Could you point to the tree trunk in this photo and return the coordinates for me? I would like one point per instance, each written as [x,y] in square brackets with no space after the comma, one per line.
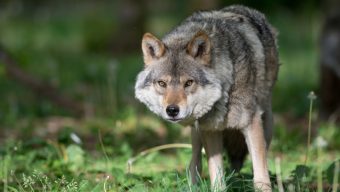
[203,5]
[131,16]
[330,63]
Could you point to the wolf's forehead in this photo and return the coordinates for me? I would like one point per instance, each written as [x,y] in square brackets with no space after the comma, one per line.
[176,67]
[175,72]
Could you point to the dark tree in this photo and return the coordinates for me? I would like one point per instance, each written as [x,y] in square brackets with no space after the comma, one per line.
[203,5]
[131,16]
[330,63]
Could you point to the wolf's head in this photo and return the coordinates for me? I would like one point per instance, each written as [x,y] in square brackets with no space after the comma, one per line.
[178,81]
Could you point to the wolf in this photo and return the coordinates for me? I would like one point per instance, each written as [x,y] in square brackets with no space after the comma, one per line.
[215,72]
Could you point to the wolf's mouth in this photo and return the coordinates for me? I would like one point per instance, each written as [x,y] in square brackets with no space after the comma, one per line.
[174,119]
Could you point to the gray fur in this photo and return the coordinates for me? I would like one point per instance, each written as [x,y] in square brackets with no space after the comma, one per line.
[244,62]
[235,85]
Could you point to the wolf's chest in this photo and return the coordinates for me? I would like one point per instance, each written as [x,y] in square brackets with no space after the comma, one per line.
[237,117]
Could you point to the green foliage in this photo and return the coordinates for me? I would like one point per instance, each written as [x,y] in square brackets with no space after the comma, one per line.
[63,165]
[76,159]
[72,50]
[331,173]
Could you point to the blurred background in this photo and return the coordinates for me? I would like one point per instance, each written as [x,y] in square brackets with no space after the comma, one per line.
[70,66]
[80,58]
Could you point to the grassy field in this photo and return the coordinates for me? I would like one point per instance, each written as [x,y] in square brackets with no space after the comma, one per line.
[42,148]
[93,155]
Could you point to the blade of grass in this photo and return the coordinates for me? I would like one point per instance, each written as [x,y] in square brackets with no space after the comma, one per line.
[103,149]
[5,171]
[153,149]
[278,174]
[106,179]
[336,177]
[319,169]
[311,97]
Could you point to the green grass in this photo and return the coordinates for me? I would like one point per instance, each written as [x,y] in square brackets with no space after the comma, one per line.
[69,50]
[59,163]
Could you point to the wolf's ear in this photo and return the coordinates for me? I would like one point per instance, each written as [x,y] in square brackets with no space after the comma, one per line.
[152,47]
[199,47]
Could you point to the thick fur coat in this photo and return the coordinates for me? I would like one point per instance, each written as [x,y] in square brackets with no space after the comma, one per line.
[216,70]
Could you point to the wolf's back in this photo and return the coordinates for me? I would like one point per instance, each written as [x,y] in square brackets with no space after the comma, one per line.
[267,35]
[228,17]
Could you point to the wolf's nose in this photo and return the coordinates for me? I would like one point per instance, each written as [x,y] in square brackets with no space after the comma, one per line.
[172,110]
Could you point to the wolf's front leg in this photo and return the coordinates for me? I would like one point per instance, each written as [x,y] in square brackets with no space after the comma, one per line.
[196,157]
[213,145]
[254,135]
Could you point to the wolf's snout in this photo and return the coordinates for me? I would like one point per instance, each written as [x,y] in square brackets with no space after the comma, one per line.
[172,110]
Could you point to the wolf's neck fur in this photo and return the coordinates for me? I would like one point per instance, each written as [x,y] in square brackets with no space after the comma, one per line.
[215,118]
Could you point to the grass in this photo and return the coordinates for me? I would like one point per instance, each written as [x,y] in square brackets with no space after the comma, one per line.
[100,163]
[42,148]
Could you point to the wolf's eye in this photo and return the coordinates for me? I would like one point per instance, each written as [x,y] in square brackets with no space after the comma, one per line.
[161,83]
[188,83]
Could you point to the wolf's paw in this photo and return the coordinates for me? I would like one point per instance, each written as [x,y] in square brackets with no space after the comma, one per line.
[262,186]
